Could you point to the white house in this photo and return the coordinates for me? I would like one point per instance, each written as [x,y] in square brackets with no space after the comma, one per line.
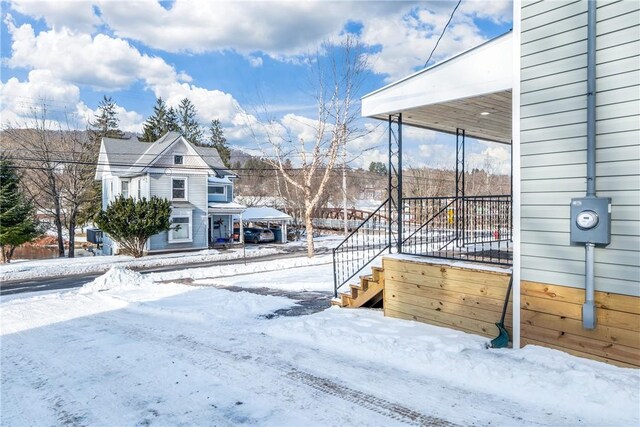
[193,178]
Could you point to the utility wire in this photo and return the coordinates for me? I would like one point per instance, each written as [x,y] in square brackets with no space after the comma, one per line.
[442,34]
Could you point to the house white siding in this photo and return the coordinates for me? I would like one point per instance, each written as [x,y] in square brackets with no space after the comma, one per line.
[553,139]
[160,185]
[189,157]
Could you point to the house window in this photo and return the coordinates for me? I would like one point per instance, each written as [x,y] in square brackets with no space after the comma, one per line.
[216,190]
[183,232]
[139,189]
[125,189]
[179,189]
[177,160]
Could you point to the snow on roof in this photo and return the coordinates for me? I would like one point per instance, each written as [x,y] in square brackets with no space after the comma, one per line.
[226,207]
[216,180]
[264,213]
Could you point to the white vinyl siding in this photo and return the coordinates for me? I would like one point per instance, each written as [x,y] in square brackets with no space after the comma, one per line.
[553,139]
[161,186]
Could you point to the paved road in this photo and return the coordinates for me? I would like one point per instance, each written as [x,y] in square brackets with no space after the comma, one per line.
[10,287]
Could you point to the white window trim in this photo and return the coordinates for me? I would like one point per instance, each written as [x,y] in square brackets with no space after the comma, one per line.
[182,213]
[186,188]
[181,159]
[128,187]
[224,190]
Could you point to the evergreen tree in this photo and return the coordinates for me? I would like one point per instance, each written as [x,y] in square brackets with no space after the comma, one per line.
[156,124]
[219,142]
[18,223]
[188,122]
[378,168]
[171,121]
[132,222]
[105,123]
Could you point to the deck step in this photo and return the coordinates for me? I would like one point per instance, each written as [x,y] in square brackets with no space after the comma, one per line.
[376,273]
[367,293]
[355,290]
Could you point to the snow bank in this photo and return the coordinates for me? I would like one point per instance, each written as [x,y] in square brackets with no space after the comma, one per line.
[549,380]
[115,278]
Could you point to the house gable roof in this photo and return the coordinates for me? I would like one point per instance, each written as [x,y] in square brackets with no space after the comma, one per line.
[126,157]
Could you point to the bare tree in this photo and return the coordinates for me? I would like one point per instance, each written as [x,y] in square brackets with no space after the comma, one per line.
[59,165]
[77,179]
[337,80]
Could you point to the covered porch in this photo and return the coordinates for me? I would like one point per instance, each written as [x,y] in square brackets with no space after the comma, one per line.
[441,244]
[467,96]
[220,224]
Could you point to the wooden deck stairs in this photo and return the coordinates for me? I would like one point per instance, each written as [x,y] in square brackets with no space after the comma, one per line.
[367,294]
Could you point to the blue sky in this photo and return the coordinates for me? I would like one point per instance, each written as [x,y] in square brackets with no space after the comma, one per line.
[229,58]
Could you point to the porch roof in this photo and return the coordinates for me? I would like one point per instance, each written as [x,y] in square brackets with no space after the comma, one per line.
[226,208]
[471,91]
[262,213]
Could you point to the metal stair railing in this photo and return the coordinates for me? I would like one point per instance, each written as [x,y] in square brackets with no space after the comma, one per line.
[360,247]
[481,232]
[431,227]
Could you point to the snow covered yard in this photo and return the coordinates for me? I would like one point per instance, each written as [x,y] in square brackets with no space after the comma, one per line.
[131,350]
[20,269]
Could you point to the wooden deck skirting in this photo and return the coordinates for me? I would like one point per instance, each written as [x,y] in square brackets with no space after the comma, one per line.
[471,300]
[551,316]
[465,299]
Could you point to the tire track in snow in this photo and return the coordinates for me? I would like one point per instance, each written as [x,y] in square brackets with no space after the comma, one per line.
[282,370]
[383,407]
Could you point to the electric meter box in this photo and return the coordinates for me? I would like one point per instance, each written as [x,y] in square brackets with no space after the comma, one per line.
[591,220]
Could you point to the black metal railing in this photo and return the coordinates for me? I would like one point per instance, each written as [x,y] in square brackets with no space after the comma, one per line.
[361,246]
[472,228]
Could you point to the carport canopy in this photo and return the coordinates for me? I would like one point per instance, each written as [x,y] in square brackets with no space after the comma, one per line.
[471,91]
[269,215]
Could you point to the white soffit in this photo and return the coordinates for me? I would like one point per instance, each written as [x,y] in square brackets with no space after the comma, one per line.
[457,93]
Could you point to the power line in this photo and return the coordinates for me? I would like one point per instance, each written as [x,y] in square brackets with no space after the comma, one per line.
[442,33]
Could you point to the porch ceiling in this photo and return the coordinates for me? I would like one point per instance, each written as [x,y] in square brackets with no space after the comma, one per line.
[457,93]
[465,114]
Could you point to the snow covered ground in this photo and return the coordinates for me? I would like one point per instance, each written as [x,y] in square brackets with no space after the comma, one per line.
[136,350]
[28,269]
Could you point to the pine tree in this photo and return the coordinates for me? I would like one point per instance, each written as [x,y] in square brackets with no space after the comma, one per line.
[132,222]
[18,223]
[104,125]
[188,122]
[219,142]
[105,122]
[378,168]
[171,121]
[156,125]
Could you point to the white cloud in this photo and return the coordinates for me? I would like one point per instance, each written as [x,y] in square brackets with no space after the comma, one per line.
[101,62]
[494,158]
[255,61]
[75,15]
[128,121]
[403,32]
[19,99]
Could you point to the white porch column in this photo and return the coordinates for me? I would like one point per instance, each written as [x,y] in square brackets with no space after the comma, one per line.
[241,238]
[284,232]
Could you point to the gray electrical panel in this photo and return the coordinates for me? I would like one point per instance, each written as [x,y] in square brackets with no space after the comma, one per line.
[591,220]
